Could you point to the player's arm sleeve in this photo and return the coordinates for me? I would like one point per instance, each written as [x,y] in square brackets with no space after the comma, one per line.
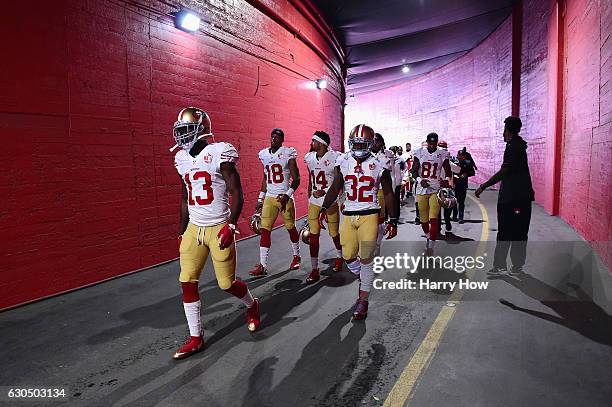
[228,154]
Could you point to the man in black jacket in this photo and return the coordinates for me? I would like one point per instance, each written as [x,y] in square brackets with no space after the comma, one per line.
[461,179]
[514,201]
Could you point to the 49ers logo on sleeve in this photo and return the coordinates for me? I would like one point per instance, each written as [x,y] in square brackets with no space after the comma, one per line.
[207,158]
[372,166]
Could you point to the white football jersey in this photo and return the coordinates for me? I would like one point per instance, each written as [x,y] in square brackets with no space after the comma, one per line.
[207,197]
[320,172]
[388,157]
[276,168]
[430,168]
[361,182]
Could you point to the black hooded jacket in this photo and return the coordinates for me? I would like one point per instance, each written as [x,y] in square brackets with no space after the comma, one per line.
[516,185]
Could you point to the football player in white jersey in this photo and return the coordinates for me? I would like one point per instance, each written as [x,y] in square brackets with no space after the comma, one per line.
[428,163]
[207,222]
[276,196]
[321,164]
[360,174]
[387,157]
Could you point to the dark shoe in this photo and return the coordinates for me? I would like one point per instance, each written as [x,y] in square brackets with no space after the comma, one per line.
[449,227]
[497,271]
[461,221]
[417,221]
[516,271]
[455,219]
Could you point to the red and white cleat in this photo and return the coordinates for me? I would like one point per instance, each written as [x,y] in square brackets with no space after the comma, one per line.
[295,263]
[338,264]
[313,277]
[193,345]
[253,316]
[258,271]
[361,310]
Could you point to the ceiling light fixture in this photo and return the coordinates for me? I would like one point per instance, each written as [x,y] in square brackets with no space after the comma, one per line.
[405,69]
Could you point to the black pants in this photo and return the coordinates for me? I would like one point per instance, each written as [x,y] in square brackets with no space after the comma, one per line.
[512,231]
[397,197]
[460,193]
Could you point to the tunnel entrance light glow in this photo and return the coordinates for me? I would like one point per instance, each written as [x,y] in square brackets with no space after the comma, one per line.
[321,83]
[188,21]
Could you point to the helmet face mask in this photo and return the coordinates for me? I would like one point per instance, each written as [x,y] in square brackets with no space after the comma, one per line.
[360,141]
[360,149]
[191,125]
[186,134]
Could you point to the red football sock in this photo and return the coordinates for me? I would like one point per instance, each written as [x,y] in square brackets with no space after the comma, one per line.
[314,245]
[425,227]
[433,226]
[336,240]
[265,240]
[237,289]
[190,292]
[294,235]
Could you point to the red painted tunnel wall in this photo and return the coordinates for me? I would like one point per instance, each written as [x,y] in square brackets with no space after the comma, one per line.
[88,94]
[586,176]
[467,100]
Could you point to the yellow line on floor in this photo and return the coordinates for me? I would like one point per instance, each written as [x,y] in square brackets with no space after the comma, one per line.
[402,390]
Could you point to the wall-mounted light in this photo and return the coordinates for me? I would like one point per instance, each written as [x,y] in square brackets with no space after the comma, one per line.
[321,83]
[187,21]
[405,69]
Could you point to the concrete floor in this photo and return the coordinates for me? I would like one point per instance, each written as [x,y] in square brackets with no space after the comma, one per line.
[537,339]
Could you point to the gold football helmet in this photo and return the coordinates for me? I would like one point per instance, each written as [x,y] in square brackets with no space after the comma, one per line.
[360,141]
[192,124]
[305,233]
[446,198]
[256,223]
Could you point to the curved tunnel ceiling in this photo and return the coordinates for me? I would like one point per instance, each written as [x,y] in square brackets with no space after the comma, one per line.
[380,36]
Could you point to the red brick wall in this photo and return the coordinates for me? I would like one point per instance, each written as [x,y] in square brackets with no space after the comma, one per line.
[89,91]
[534,93]
[586,181]
[465,102]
